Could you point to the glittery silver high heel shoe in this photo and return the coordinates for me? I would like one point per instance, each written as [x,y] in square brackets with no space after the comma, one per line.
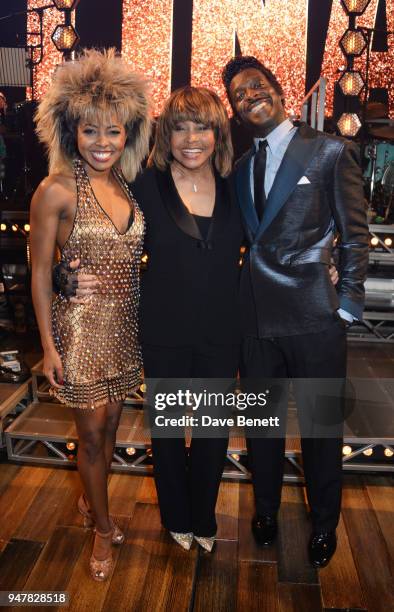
[206,543]
[183,539]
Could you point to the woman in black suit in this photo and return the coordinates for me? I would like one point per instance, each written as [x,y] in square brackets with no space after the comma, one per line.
[189,323]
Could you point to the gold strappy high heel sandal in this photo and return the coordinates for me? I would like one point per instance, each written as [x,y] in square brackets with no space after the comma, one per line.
[117,533]
[88,520]
[101,569]
[83,508]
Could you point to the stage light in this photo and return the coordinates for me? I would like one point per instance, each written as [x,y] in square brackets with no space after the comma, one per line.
[42,72]
[353,42]
[144,258]
[388,452]
[65,37]
[349,124]
[374,241]
[3,227]
[14,227]
[388,242]
[347,450]
[131,450]
[380,73]
[70,445]
[355,7]
[26,227]
[351,83]
[235,456]
[368,452]
[66,5]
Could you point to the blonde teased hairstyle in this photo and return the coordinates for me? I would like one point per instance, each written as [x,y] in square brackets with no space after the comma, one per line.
[96,86]
[201,106]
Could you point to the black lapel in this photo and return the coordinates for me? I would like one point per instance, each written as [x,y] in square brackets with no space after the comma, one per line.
[245,198]
[175,206]
[183,219]
[295,161]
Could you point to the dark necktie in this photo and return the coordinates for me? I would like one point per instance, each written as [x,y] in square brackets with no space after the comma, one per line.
[260,161]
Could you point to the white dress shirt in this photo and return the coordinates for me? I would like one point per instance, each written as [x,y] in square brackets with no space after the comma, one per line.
[278,141]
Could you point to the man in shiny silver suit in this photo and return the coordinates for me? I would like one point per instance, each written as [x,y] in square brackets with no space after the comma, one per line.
[297,188]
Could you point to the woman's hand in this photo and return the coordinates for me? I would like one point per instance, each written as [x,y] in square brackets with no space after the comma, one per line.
[53,369]
[334,276]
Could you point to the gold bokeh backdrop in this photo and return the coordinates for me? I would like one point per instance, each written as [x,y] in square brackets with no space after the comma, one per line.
[146,43]
[274,31]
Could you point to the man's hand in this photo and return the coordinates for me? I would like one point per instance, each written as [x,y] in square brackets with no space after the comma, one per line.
[85,284]
[334,276]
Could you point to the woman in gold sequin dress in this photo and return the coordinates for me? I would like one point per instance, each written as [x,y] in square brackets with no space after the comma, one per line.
[95,123]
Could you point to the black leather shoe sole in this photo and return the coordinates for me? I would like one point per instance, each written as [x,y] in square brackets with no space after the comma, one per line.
[265,530]
[321,553]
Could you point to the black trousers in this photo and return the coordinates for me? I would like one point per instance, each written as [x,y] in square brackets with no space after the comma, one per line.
[317,355]
[188,483]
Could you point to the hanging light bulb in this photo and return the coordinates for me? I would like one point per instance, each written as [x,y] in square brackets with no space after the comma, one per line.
[65,37]
[351,83]
[66,5]
[355,7]
[353,43]
[349,124]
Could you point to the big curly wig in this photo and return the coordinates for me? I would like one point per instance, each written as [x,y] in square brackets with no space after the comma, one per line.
[98,85]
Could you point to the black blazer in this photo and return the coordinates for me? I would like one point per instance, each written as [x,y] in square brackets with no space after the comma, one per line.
[189,292]
[285,284]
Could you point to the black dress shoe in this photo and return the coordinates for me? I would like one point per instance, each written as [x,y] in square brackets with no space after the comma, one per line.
[264,529]
[321,548]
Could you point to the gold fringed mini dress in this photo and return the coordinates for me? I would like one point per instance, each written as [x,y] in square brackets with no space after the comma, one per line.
[98,340]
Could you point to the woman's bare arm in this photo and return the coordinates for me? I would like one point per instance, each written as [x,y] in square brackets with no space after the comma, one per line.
[51,202]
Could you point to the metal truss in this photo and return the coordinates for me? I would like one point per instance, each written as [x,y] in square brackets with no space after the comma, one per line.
[44,433]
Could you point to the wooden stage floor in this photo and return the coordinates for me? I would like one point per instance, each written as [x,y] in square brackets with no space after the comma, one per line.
[45,547]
